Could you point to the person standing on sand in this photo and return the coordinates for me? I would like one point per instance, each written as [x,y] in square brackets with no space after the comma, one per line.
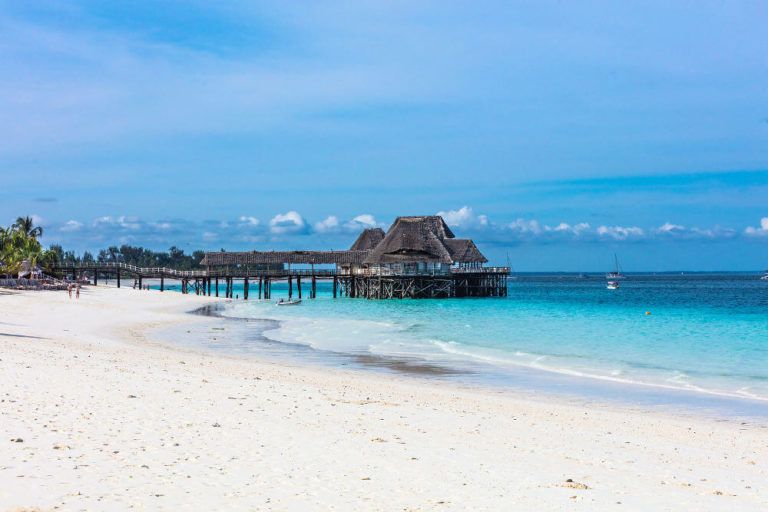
[77,292]
[69,290]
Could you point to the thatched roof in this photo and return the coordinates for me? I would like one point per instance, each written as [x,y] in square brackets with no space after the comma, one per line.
[425,239]
[464,250]
[27,268]
[368,239]
[214,259]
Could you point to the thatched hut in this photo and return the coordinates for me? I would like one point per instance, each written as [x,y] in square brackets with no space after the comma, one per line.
[422,245]
[412,245]
[27,269]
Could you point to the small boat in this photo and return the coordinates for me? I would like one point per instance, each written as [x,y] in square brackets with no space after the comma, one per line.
[293,302]
[612,285]
[765,277]
[615,274]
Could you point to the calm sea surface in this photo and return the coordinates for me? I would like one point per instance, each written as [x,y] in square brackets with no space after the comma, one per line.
[701,334]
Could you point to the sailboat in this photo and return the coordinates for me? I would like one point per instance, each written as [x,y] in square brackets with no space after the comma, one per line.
[511,268]
[616,274]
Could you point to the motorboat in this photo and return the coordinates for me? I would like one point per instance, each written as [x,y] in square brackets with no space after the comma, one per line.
[765,277]
[612,285]
[293,302]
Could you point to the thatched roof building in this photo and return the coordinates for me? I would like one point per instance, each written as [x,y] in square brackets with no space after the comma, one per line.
[464,250]
[368,239]
[423,239]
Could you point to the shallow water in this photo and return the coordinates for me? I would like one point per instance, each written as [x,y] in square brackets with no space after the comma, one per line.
[653,339]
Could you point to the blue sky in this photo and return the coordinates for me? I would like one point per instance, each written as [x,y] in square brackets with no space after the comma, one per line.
[558,132]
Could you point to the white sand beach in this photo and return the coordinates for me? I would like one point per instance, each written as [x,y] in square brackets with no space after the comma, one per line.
[94,416]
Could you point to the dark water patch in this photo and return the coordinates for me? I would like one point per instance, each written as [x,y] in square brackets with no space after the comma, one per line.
[403,365]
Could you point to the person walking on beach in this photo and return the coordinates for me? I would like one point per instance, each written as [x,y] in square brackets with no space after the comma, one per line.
[69,290]
[77,291]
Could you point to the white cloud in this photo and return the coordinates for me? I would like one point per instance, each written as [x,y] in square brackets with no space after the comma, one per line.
[332,224]
[668,227]
[37,220]
[760,231]
[620,232]
[525,226]
[290,222]
[361,222]
[680,232]
[464,217]
[365,220]
[71,225]
[251,221]
[162,226]
[329,225]
[248,233]
[131,223]
[578,229]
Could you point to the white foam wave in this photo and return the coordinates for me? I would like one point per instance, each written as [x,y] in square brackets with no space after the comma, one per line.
[391,340]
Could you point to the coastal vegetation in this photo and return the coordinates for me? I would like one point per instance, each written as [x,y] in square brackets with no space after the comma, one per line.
[19,243]
[139,256]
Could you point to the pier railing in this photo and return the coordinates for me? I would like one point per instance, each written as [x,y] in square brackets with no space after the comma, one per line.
[481,270]
[112,266]
[105,266]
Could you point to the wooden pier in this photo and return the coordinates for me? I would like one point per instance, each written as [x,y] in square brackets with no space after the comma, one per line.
[481,282]
[418,257]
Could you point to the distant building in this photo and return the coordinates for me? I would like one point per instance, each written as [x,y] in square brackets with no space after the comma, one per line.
[422,245]
[419,245]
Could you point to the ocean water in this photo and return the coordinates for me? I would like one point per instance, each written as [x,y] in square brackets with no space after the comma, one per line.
[699,333]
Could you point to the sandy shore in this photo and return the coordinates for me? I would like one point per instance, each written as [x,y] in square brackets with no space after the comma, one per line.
[111,421]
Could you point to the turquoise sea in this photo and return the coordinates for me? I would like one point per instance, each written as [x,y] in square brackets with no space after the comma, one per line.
[657,339]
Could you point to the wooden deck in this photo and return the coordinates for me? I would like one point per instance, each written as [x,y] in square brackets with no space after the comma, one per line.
[363,283]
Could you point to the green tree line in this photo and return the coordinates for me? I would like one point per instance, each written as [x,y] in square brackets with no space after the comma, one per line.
[139,256]
[19,243]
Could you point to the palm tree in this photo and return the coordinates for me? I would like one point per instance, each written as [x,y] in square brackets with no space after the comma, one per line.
[48,259]
[16,246]
[27,226]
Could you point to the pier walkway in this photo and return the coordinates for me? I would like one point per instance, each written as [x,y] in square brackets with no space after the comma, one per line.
[367,283]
